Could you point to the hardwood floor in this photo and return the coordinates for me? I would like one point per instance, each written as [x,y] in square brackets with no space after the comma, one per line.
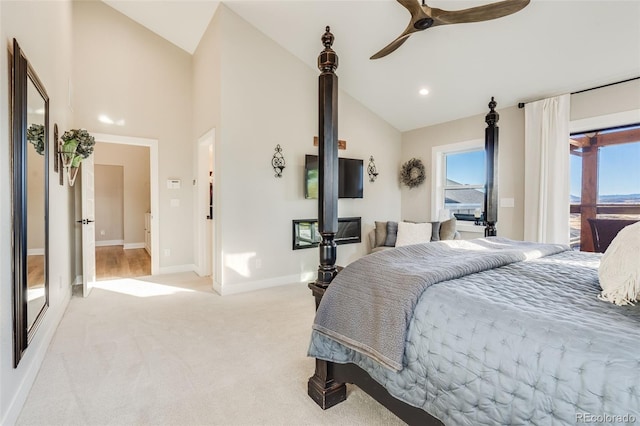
[111,262]
[115,262]
[35,270]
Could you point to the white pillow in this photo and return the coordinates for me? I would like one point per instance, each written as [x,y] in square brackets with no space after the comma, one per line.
[619,270]
[413,233]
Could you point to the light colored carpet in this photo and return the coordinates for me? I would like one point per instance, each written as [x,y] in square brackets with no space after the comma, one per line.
[167,350]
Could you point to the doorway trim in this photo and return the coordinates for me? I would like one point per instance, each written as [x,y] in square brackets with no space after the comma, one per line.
[205,240]
[152,144]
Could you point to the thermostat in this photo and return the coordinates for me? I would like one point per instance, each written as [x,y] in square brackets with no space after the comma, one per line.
[173,183]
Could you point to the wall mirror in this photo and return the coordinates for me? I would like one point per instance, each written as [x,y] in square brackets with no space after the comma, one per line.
[30,162]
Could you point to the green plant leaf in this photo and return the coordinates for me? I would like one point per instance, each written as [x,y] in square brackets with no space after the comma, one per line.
[69,147]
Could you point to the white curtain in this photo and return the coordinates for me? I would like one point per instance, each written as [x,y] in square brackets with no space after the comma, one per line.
[546,182]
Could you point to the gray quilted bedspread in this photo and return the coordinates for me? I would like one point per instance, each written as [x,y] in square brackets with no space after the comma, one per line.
[528,343]
[374,318]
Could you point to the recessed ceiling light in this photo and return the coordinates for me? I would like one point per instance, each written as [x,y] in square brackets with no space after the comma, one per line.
[424,92]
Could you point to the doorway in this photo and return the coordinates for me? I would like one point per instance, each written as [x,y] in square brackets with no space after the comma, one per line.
[122,202]
[148,238]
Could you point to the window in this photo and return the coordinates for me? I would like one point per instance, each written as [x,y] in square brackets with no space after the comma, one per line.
[605,179]
[459,177]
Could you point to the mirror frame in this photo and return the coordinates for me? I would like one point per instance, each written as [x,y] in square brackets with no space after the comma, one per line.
[22,71]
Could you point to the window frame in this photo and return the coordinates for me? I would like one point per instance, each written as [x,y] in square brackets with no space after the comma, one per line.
[438,179]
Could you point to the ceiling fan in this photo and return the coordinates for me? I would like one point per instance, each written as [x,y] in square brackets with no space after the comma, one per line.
[423,17]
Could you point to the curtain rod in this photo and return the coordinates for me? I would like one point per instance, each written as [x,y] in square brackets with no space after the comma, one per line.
[522,104]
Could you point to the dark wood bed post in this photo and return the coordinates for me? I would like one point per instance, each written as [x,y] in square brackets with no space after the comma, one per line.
[491,152]
[328,160]
[322,387]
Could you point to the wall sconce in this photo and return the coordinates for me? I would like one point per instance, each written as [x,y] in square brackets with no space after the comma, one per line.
[277,162]
[371,168]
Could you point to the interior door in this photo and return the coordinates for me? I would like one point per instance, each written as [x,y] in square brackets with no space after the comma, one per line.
[205,221]
[88,226]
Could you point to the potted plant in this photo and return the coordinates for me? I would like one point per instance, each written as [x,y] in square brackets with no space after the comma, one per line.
[76,145]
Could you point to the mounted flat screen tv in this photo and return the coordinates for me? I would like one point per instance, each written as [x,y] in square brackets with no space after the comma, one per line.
[350,180]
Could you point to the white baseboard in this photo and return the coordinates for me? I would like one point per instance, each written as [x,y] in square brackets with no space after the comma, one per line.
[128,246]
[104,243]
[125,246]
[33,359]
[78,280]
[35,252]
[177,268]
[217,287]
[243,287]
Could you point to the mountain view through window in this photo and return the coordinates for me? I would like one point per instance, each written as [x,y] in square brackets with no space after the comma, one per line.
[605,179]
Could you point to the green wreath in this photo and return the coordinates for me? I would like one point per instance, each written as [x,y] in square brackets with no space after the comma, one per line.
[413,173]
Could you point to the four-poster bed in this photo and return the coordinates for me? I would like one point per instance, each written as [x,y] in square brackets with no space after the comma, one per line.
[486,331]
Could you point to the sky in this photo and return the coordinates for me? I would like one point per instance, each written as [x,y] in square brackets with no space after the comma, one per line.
[619,172]
[463,168]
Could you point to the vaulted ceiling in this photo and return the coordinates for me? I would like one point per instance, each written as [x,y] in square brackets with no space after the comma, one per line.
[550,47]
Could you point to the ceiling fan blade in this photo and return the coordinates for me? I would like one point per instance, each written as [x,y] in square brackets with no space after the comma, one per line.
[479,13]
[393,45]
[413,6]
[417,14]
[423,17]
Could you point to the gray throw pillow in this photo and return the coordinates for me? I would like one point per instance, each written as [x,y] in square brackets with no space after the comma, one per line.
[448,229]
[381,233]
[435,231]
[392,234]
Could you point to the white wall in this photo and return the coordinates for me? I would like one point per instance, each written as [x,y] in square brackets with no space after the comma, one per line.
[43,30]
[136,195]
[416,203]
[143,84]
[269,97]
[207,100]
[109,203]
[614,99]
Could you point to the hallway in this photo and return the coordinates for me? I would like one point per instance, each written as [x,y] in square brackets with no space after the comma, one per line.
[115,262]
